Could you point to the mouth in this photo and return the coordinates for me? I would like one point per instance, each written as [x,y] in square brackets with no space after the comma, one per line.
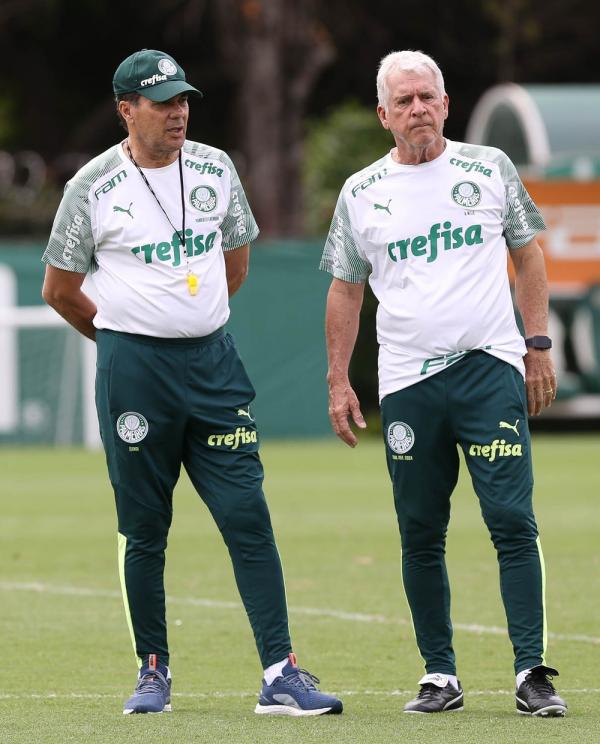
[175,130]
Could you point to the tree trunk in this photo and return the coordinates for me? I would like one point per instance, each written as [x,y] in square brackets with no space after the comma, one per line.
[274,51]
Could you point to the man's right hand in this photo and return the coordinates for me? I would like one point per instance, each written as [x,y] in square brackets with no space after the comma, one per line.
[343,405]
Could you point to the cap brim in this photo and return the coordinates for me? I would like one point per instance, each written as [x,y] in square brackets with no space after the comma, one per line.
[169,89]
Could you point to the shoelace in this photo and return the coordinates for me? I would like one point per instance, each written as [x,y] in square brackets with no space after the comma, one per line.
[302,678]
[540,683]
[428,690]
[152,683]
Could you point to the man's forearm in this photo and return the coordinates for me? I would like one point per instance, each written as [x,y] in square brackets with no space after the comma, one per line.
[341,327]
[531,292]
[78,312]
[236,268]
[62,291]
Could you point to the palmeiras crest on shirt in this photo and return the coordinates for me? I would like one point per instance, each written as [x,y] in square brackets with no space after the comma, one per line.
[400,437]
[132,427]
[203,198]
[466,194]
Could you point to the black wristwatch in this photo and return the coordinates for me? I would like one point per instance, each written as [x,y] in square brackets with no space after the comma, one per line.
[541,343]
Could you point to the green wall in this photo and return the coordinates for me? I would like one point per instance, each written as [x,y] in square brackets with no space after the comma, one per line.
[277,320]
[278,323]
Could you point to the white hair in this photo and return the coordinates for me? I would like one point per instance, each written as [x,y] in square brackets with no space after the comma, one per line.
[405,61]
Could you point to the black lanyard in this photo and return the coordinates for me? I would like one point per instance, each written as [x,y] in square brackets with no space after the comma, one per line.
[142,174]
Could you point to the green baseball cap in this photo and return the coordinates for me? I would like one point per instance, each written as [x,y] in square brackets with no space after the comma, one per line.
[152,74]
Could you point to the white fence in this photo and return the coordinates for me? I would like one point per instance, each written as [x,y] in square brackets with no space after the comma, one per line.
[40,352]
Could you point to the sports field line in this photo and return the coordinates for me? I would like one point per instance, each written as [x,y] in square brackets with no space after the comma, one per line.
[236,694]
[359,617]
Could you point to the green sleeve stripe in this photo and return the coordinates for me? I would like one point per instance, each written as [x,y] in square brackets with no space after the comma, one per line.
[71,245]
[341,255]
[346,276]
[249,237]
[522,219]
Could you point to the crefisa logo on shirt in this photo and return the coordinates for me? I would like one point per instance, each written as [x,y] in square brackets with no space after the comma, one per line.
[400,437]
[466,194]
[238,212]
[132,427]
[72,236]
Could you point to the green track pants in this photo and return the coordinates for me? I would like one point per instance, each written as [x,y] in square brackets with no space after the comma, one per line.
[479,404]
[167,402]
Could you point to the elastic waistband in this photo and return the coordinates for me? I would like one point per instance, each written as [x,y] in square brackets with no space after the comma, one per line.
[156,341]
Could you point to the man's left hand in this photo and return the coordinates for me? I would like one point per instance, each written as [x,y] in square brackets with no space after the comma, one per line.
[540,380]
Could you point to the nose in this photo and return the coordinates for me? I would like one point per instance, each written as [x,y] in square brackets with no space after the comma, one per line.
[178,108]
[418,108]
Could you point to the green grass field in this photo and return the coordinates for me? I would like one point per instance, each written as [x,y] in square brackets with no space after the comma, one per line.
[67,663]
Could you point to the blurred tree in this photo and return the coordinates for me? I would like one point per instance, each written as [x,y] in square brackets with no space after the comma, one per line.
[344,141]
[7,121]
[264,66]
[517,27]
[274,51]
[542,40]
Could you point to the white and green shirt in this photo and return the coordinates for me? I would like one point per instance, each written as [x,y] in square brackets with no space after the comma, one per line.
[109,223]
[432,241]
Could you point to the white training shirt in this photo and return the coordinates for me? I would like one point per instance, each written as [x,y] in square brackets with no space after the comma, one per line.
[110,224]
[432,241]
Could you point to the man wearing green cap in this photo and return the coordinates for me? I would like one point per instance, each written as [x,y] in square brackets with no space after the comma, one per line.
[164,227]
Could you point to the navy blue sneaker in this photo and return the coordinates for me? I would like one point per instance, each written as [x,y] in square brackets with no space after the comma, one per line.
[152,692]
[295,694]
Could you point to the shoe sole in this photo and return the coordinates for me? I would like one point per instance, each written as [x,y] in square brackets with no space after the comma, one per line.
[131,712]
[552,711]
[429,712]
[287,710]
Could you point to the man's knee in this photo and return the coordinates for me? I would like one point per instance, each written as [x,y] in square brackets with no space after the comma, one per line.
[511,525]
[145,529]
[420,531]
[247,523]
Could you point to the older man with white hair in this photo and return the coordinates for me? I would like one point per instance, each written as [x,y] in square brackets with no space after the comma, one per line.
[429,225]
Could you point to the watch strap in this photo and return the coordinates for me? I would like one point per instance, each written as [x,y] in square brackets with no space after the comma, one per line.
[538,342]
